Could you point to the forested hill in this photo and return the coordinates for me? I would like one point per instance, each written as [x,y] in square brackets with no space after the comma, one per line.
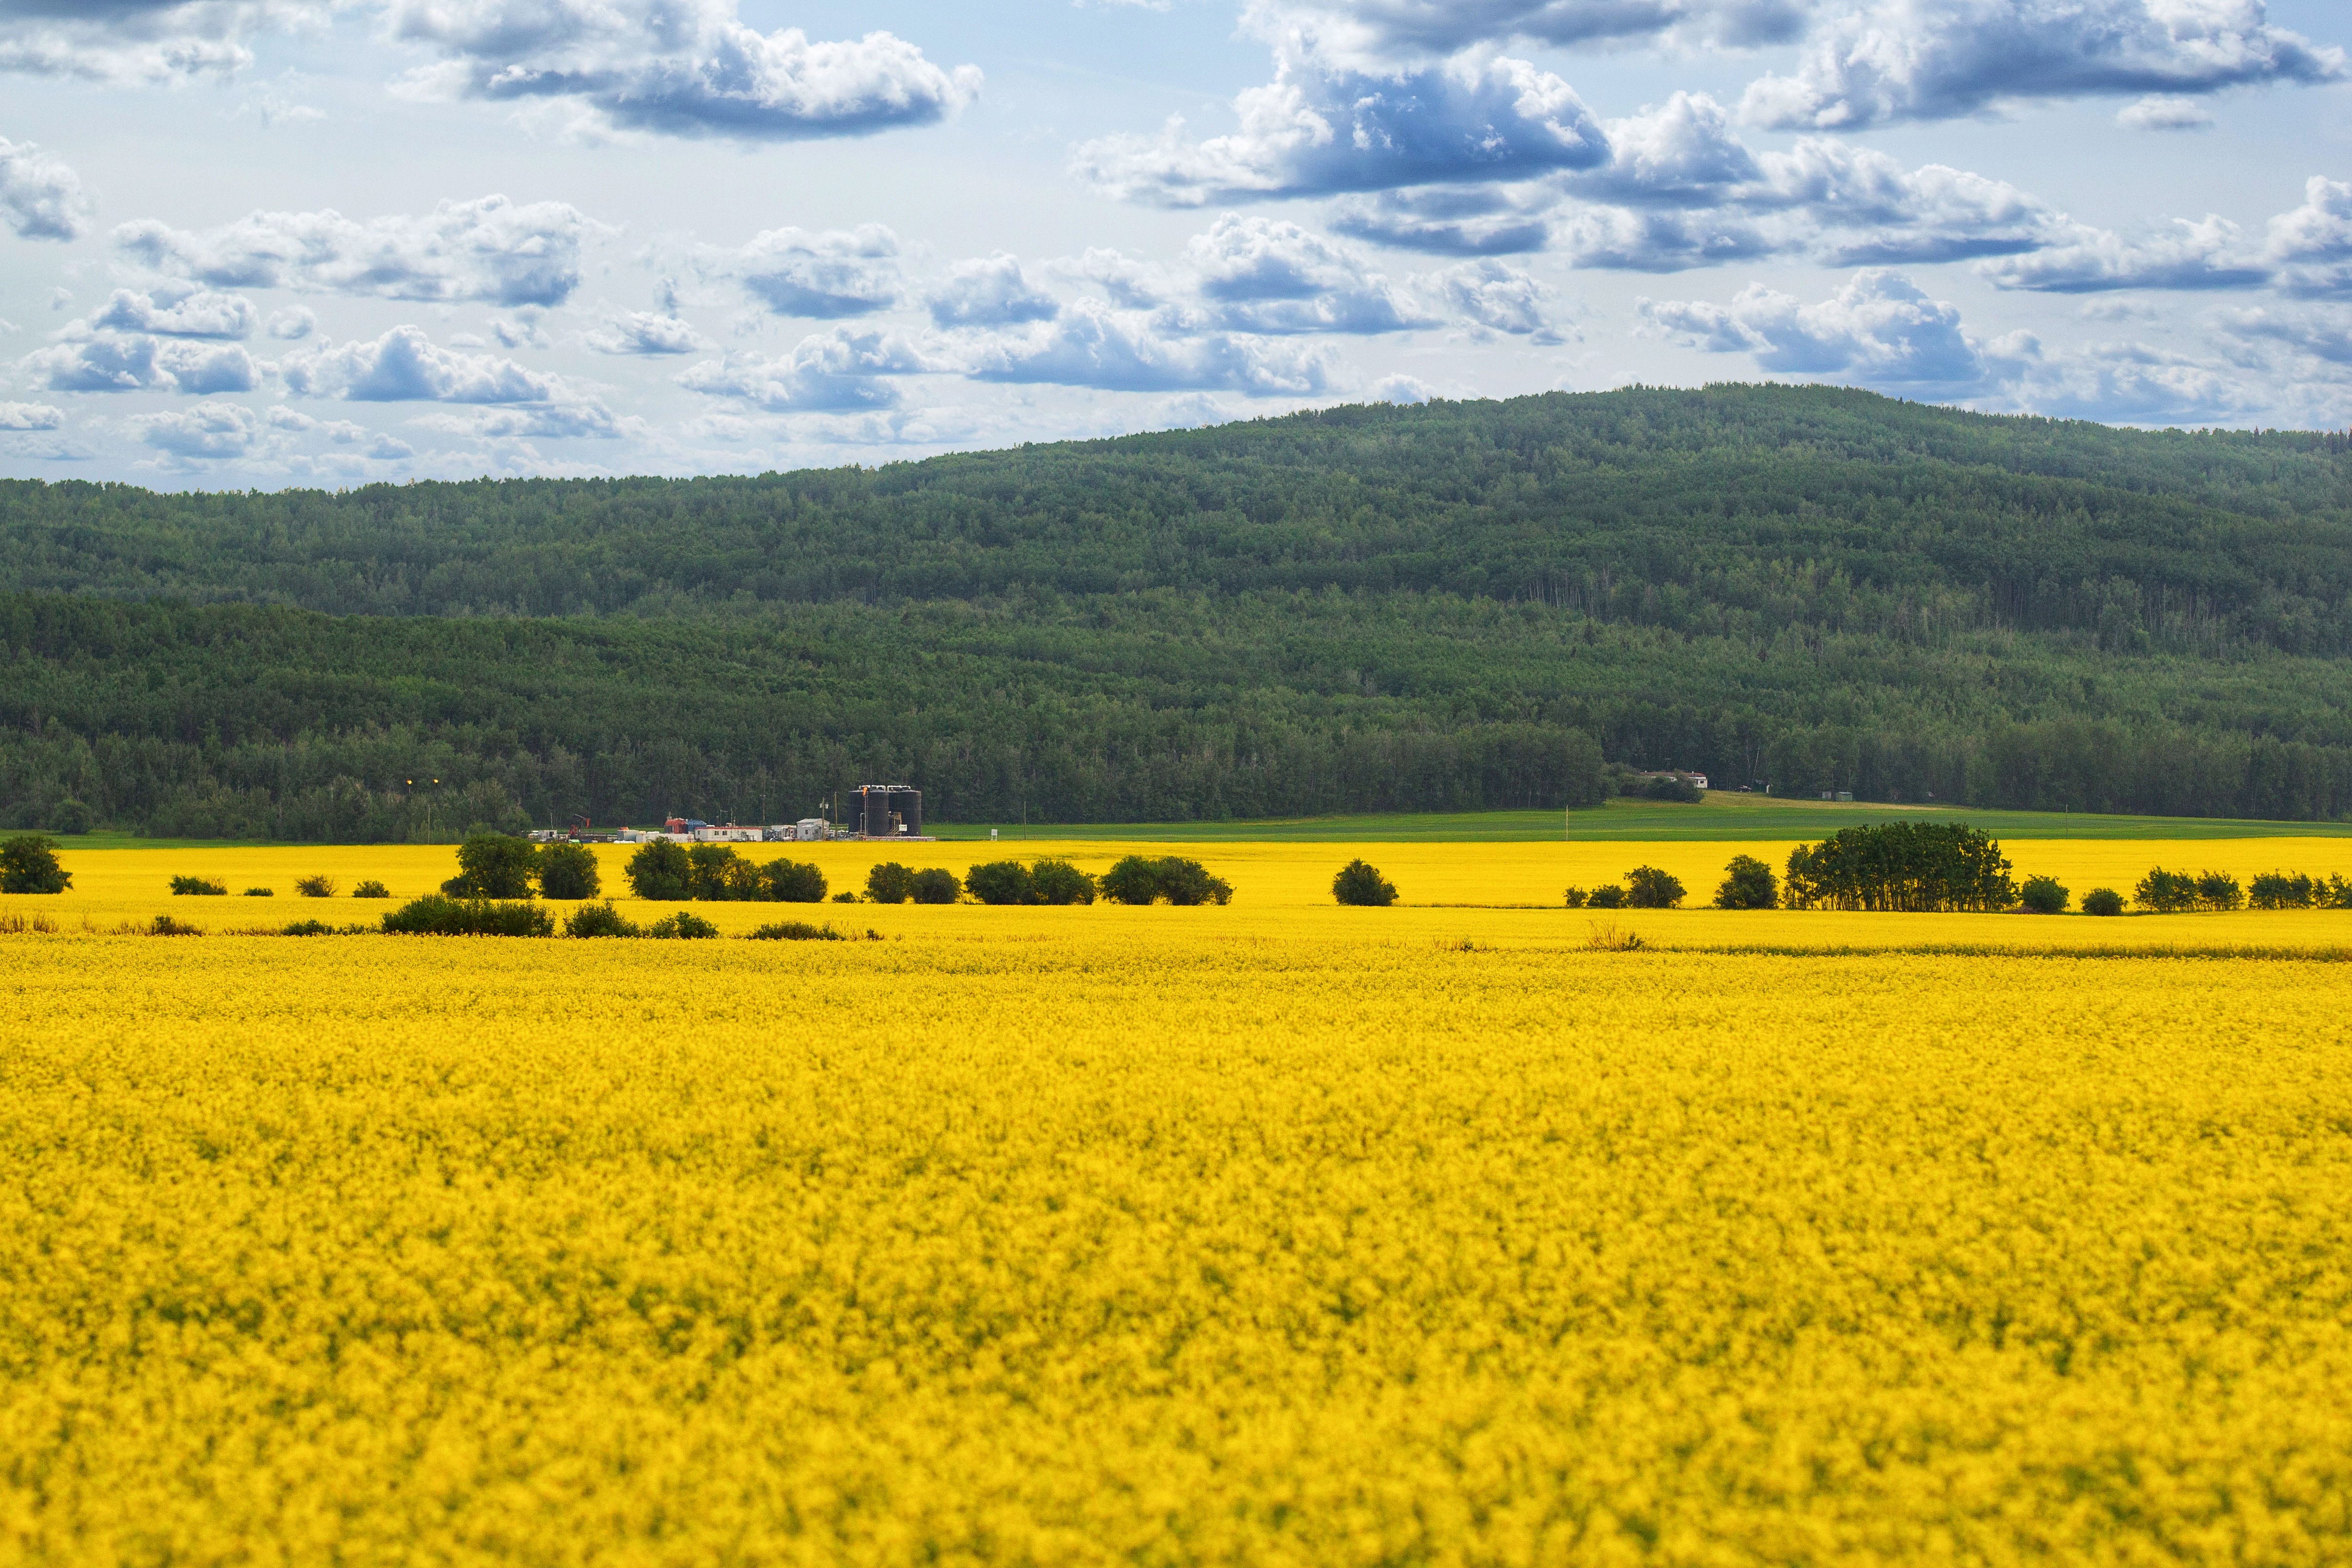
[1365,607]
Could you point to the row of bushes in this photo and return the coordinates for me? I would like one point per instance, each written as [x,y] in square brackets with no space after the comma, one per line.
[675,873]
[2179,892]
[1135,879]
[304,886]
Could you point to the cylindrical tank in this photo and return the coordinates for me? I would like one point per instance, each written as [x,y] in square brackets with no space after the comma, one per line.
[908,804]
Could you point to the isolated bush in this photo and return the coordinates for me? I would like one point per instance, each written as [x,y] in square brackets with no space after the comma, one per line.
[716,873]
[164,925]
[599,920]
[198,888]
[2277,890]
[1575,897]
[1647,888]
[28,864]
[659,872]
[1002,882]
[2218,891]
[793,882]
[308,928]
[2043,896]
[795,931]
[315,887]
[494,865]
[1138,879]
[890,883]
[437,914]
[2102,901]
[937,885]
[70,816]
[685,925]
[845,898]
[1611,897]
[371,888]
[568,871]
[1361,884]
[261,892]
[1747,884]
[1059,882]
[2166,892]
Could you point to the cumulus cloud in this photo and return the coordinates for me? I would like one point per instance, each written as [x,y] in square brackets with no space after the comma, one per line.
[405,366]
[1313,131]
[30,417]
[676,68]
[40,198]
[835,372]
[134,41]
[826,276]
[207,431]
[1402,388]
[1384,30]
[2321,335]
[177,313]
[1266,275]
[1451,220]
[113,362]
[2165,111]
[1499,297]
[1093,344]
[2208,253]
[645,332]
[2312,245]
[990,291]
[1878,328]
[1932,59]
[489,250]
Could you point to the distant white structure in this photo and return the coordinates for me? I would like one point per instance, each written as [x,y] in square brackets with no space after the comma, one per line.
[728,833]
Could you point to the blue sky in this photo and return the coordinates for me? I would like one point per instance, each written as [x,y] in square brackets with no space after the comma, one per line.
[260,243]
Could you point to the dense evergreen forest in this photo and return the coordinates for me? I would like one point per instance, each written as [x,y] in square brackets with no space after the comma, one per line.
[1441,607]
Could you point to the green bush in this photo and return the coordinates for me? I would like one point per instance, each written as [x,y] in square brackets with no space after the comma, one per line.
[937,885]
[164,925]
[315,887]
[2102,901]
[198,888]
[1906,867]
[2218,891]
[716,874]
[568,871]
[494,865]
[685,925]
[2277,890]
[660,873]
[2166,892]
[308,928]
[371,888]
[28,864]
[1002,882]
[437,914]
[1647,888]
[844,896]
[1747,884]
[1059,882]
[261,892]
[1609,898]
[890,883]
[1576,896]
[599,920]
[1361,885]
[1138,880]
[793,882]
[2043,896]
[794,931]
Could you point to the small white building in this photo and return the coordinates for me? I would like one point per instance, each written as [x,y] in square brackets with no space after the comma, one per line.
[728,833]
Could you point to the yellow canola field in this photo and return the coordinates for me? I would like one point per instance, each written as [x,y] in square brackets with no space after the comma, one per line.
[1167,1236]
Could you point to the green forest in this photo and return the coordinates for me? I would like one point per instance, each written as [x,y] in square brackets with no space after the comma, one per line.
[1453,606]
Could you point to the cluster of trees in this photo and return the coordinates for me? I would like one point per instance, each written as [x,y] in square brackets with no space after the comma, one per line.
[2167,892]
[1043,881]
[1912,867]
[1643,887]
[1454,607]
[674,873]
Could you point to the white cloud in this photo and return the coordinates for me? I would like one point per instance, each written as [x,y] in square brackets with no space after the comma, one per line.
[136,41]
[40,198]
[1367,32]
[1312,132]
[30,417]
[205,432]
[645,332]
[1267,275]
[989,292]
[1932,59]
[1093,344]
[112,363]
[1402,388]
[1451,220]
[2165,111]
[292,324]
[827,275]
[2312,245]
[1879,328]
[489,250]
[1499,297]
[676,68]
[404,367]
[177,313]
[2203,255]
[2321,335]
[835,372]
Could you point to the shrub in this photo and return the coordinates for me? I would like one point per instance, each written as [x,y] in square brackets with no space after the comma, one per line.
[1647,888]
[1002,882]
[2277,890]
[308,928]
[685,925]
[568,871]
[660,873]
[599,920]
[70,818]
[1361,884]
[164,925]
[2166,892]
[793,882]
[845,898]
[795,931]
[1134,880]
[1611,897]
[261,892]
[1138,879]
[371,888]
[198,888]
[1575,898]
[28,864]
[315,887]
[1908,867]
[937,885]
[1747,884]
[494,865]
[437,914]
[716,873]
[2102,901]
[2218,891]
[2043,896]
[1059,882]
[889,883]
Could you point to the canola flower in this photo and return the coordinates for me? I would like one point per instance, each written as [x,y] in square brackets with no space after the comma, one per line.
[1169,1239]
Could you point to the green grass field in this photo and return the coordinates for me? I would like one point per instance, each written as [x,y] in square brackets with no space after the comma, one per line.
[1725,816]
